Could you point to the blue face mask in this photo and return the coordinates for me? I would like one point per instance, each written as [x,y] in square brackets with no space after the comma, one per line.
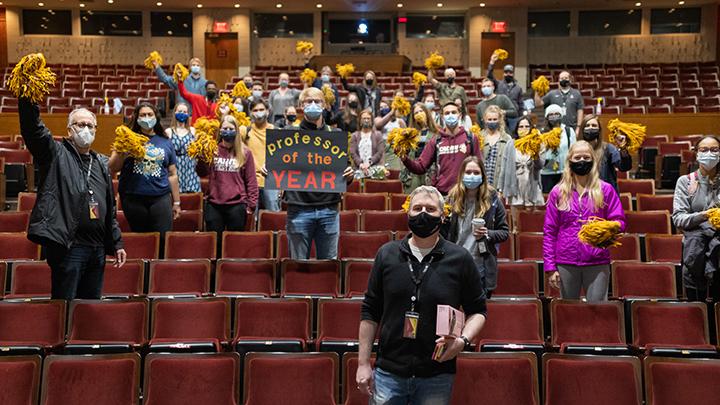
[228,135]
[325,78]
[181,117]
[430,105]
[195,69]
[312,111]
[487,91]
[493,126]
[283,83]
[472,181]
[147,123]
[384,111]
[451,120]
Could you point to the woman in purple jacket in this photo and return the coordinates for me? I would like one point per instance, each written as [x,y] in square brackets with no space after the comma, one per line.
[579,195]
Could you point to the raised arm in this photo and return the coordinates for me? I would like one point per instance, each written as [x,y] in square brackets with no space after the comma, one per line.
[36,135]
[431,78]
[164,77]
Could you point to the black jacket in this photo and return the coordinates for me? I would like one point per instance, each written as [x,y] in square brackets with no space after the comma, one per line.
[62,190]
[365,95]
[452,279]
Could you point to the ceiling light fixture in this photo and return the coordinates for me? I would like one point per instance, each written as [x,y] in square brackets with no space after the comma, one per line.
[482,4]
[638,4]
[279,5]
[82,5]
[237,5]
[41,4]
[159,3]
[400,5]
[439,4]
[199,6]
[319,5]
[111,1]
[681,2]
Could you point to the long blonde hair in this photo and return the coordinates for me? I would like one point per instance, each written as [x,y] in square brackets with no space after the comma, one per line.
[599,147]
[501,116]
[568,184]
[459,191]
[239,147]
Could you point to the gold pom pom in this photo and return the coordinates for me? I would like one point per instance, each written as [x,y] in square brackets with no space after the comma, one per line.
[31,79]
[329,94]
[403,140]
[346,70]
[179,68]
[600,233]
[434,61]
[308,76]
[501,54]
[634,134]
[551,139]
[401,105]
[226,101]
[303,46]
[419,79]
[153,57]
[713,215]
[475,130]
[541,86]
[210,126]
[204,147]
[127,141]
[530,144]
[240,90]
[241,118]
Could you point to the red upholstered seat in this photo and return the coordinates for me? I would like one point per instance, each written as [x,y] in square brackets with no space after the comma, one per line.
[529,246]
[628,250]
[351,395]
[647,222]
[357,273]
[30,280]
[365,201]
[3,277]
[197,378]
[643,280]
[21,379]
[190,320]
[591,380]
[663,248]
[191,201]
[383,186]
[35,323]
[639,186]
[396,201]
[124,281]
[188,221]
[273,319]
[107,379]
[384,221]
[670,324]
[496,379]
[650,202]
[670,381]
[109,322]
[14,245]
[530,221]
[142,245]
[26,201]
[247,245]
[14,221]
[349,220]
[513,322]
[178,277]
[595,324]
[338,321]
[519,279]
[298,379]
[190,245]
[320,278]
[272,221]
[245,277]
[363,245]
[506,250]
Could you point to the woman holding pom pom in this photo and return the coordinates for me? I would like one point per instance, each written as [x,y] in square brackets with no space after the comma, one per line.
[182,134]
[367,148]
[612,157]
[421,120]
[580,197]
[369,93]
[527,169]
[499,153]
[696,196]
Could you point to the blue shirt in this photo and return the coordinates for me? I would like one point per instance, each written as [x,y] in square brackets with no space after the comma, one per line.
[192,84]
[149,176]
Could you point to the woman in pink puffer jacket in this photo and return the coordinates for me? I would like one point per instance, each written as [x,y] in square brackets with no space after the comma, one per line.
[580,195]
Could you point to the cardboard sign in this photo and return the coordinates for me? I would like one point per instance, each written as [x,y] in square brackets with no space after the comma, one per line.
[298,160]
[450,321]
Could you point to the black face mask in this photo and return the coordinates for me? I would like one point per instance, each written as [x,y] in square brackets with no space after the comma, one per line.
[211,94]
[424,224]
[554,122]
[451,80]
[591,134]
[353,104]
[582,167]
[564,83]
[509,79]
[291,118]
[369,82]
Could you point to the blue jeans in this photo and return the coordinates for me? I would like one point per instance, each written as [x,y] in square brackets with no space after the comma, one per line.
[308,224]
[393,390]
[76,272]
[269,199]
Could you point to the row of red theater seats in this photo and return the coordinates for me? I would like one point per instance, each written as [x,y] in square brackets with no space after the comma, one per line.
[675,100]
[682,79]
[322,379]
[245,324]
[594,69]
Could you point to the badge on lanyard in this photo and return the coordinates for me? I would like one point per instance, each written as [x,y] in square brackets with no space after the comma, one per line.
[94,207]
[412,318]
[411,325]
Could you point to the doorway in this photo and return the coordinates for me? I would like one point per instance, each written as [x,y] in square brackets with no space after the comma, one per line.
[221,57]
[490,41]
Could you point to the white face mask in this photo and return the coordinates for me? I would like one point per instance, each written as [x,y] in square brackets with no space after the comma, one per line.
[238,106]
[708,160]
[83,138]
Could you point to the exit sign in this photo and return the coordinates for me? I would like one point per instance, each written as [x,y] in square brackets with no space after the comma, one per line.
[498,26]
[221,27]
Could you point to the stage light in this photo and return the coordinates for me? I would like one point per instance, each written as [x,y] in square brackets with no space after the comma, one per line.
[82,5]
[439,4]
[362,28]
[199,6]
[159,3]
[681,2]
[279,5]
[638,4]
[237,5]
[111,1]
[41,4]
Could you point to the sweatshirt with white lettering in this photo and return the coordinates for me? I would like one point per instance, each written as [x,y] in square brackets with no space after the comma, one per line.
[230,184]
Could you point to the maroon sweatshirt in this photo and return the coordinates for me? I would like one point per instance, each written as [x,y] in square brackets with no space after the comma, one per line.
[228,184]
[452,151]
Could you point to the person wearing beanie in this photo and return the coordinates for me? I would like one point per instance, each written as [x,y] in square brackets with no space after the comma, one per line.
[555,159]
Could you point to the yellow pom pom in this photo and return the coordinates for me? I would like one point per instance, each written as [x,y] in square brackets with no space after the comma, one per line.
[179,68]
[153,57]
[447,208]
[541,86]
[346,70]
[401,105]
[204,147]
[475,130]
[241,118]
[501,54]
[224,101]
[329,94]
[634,134]
[600,233]
[713,215]
[403,140]
[419,79]
[31,79]
[406,204]
[551,139]
[308,76]
[530,144]
[240,90]
[127,141]
[434,61]
[210,126]
[303,46]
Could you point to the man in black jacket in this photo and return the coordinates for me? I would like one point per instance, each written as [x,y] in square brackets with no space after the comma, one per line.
[74,216]
[409,279]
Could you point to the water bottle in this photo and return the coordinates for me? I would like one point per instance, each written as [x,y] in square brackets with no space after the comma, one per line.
[598,108]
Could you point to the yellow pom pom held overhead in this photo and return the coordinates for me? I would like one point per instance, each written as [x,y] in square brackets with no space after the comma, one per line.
[434,61]
[403,140]
[345,70]
[475,130]
[634,134]
[153,57]
[31,78]
[501,54]
[713,215]
[329,94]
[240,90]
[127,141]
[419,79]
[180,68]
[530,144]
[303,46]
[551,139]
[401,105]
[204,124]
[600,233]
[541,86]
[308,76]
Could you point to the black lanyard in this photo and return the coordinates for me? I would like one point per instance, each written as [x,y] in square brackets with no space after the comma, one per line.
[87,179]
[417,281]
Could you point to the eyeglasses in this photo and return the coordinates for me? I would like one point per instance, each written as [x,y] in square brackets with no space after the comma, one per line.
[82,125]
[713,150]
